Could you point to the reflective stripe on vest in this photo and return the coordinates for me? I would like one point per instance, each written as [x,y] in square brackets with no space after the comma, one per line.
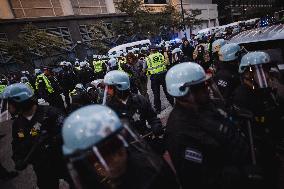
[98,66]
[120,62]
[156,63]
[74,92]
[46,81]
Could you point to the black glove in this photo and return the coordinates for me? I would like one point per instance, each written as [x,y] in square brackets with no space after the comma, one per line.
[20,165]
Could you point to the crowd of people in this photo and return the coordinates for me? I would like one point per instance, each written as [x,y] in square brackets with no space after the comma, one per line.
[92,123]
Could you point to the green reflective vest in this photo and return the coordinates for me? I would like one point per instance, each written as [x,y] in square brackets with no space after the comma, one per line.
[98,65]
[156,63]
[120,62]
[46,81]
[2,88]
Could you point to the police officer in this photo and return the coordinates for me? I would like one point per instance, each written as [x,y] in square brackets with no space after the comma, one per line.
[207,150]
[47,87]
[104,153]
[86,74]
[227,76]
[99,67]
[112,64]
[156,68]
[176,56]
[135,108]
[216,46]
[36,136]
[3,84]
[67,79]
[79,97]
[121,62]
[258,95]
[77,65]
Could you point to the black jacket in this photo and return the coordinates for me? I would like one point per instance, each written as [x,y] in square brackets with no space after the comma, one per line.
[188,51]
[67,79]
[137,111]
[206,149]
[86,75]
[227,80]
[145,170]
[44,127]
[267,128]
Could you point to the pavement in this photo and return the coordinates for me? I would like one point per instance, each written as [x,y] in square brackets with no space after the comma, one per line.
[27,178]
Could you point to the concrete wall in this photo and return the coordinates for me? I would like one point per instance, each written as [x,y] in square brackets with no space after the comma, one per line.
[12,28]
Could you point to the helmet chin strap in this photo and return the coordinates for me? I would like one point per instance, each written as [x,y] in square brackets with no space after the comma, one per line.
[105,95]
[101,159]
[261,77]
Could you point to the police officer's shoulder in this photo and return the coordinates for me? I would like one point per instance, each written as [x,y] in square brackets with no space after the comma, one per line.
[140,99]
[51,111]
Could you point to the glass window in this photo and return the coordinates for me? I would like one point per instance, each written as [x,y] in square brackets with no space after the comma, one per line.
[89,7]
[36,8]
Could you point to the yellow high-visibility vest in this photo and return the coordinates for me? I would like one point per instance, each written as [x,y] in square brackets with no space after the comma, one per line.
[46,81]
[156,63]
[98,65]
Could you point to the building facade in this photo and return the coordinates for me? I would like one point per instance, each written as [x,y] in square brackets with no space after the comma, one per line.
[70,19]
[235,10]
[209,13]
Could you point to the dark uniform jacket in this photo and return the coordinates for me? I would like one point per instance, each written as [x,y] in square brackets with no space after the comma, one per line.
[227,81]
[41,138]
[137,111]
[145,170]
[207,151]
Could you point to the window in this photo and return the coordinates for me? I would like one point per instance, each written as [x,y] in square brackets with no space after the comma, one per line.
[64,34]
[36,8]
[86,34]
[89,7]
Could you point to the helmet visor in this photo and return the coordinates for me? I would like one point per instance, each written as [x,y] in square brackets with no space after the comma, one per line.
[257,76]
[103,165]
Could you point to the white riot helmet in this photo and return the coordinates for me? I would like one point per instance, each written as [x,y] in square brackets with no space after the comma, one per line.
[92,135]
[63,63]
[252,67]
[83,64]
[112,62]
[181,76]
